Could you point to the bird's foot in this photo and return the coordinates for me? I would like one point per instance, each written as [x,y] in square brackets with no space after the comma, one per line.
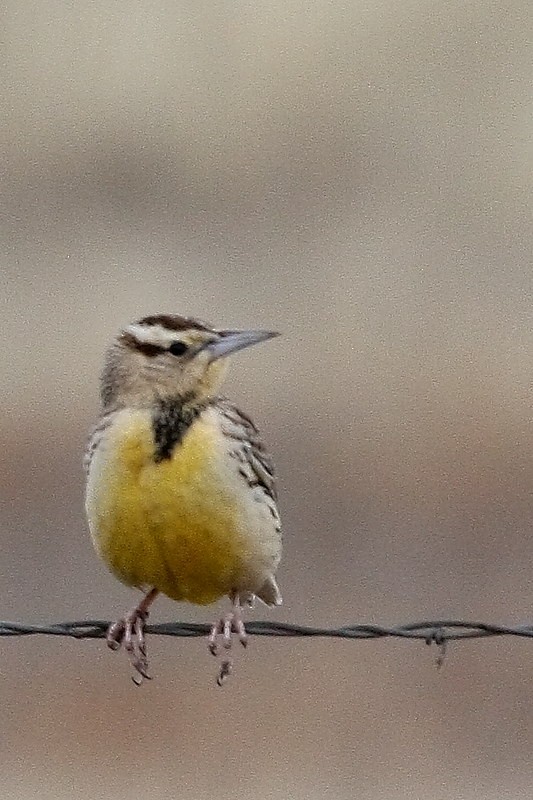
[129,631]
[221,634]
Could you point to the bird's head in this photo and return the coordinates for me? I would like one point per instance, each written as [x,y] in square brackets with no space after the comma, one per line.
[167,356]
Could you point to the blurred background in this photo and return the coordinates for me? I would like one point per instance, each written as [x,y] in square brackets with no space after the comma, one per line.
[358,176]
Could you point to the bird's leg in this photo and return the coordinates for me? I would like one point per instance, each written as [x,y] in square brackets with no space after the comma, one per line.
[130,631]
[232,622]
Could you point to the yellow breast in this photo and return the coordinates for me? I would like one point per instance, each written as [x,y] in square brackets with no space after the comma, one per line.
[175,525]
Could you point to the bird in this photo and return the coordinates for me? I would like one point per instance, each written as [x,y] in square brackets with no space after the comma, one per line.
[180,495]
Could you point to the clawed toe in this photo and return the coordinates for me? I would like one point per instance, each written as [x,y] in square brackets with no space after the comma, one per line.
[221,634]
[115,634]
[129,631]
[222,630]
[224,671]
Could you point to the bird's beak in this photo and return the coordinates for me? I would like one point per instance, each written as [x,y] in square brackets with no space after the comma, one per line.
[231,341]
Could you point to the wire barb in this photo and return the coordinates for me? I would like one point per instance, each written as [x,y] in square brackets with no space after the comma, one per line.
[438,632]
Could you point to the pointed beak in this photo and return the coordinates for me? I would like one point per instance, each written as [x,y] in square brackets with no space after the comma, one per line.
[231,341]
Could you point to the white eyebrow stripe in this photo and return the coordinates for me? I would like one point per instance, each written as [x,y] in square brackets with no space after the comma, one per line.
[153,334]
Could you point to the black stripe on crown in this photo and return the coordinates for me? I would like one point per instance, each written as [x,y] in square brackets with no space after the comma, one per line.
[173,322]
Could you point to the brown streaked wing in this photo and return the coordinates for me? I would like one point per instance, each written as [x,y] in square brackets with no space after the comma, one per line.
[238,426]
[95,437]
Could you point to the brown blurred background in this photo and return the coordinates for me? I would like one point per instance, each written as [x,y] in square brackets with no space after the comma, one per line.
[357,175]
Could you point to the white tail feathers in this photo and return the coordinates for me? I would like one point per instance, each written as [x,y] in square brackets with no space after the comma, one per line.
[269,592]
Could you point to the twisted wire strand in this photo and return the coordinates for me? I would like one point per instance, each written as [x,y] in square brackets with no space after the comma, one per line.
[438,632]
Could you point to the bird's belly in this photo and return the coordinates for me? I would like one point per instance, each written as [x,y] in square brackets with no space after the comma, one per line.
[177,525]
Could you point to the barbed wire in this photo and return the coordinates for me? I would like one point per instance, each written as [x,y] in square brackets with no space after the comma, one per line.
[432,632]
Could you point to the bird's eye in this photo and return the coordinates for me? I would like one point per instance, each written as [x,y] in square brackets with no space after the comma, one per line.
[177,348]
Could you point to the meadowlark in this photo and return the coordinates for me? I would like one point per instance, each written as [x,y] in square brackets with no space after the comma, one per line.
[180,494]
